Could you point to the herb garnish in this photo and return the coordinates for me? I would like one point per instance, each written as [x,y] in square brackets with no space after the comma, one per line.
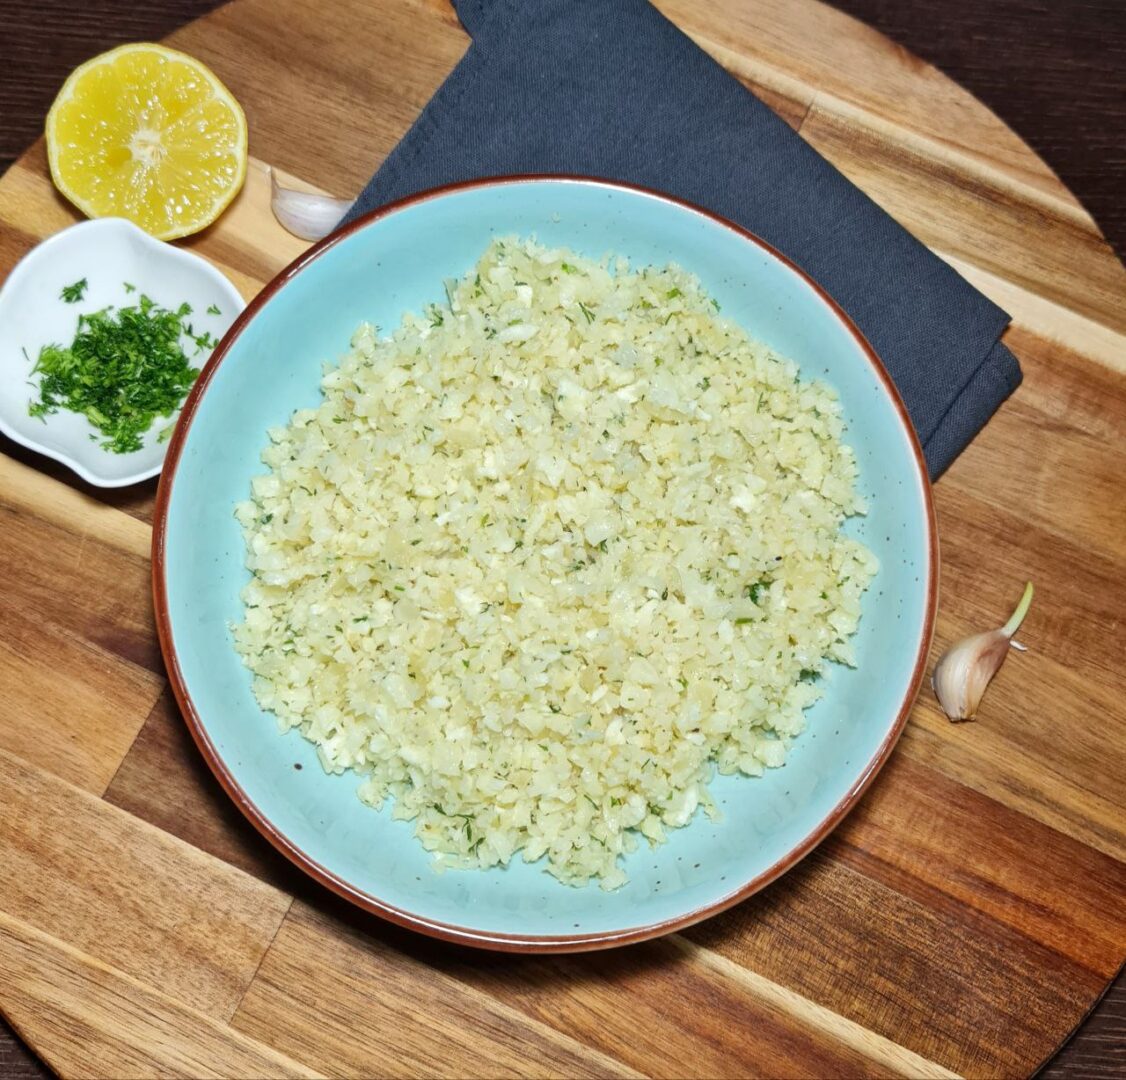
[754,592]
[122,371]
[71,294]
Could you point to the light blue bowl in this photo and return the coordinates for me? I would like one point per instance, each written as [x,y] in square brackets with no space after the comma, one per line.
[270,364]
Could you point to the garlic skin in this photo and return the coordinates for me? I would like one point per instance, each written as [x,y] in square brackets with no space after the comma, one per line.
[303,213]
[966,669]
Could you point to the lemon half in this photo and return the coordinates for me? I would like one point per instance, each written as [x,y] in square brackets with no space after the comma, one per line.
[150,134]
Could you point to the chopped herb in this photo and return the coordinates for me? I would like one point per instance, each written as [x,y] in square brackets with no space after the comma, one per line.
[362,618]
[122,371]
[754,592]
[715,304]
[415,543]
[704,383]
[213,309]
[743,621]
[71,294]
[265,519]
[665,593]
[465,664]
[553,707]
[129,288]
[567,268]
[587,313]
[645,305]
[672,294]
[808,675]
[601,545]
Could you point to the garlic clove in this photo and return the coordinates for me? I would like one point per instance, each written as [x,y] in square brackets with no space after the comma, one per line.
[305,213]
[968,666]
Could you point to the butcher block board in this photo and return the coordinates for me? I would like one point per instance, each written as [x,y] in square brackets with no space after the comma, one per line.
[963,919]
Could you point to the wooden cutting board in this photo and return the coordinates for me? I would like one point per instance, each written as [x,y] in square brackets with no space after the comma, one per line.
[963,919]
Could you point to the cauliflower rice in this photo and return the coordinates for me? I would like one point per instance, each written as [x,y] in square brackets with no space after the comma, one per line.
[550,554]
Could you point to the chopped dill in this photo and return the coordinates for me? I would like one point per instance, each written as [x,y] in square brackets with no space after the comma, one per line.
[123,369]
[71,294]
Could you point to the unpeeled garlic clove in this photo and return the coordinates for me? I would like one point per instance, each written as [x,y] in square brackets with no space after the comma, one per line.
[968,666]
[304,213]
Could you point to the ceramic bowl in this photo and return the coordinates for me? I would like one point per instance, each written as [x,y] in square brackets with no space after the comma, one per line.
[270,364]
[111,254]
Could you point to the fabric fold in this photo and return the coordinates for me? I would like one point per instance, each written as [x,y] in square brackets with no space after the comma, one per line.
[612,89]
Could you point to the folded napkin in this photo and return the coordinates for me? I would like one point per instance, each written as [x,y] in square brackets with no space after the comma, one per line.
[610,88]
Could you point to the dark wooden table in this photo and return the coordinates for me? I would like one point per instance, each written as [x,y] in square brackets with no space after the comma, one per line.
[1055,72]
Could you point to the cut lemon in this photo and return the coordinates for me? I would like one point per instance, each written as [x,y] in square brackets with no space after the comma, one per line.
[147,133]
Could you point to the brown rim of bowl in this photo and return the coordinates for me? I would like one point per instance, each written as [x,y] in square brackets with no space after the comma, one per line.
[460,934]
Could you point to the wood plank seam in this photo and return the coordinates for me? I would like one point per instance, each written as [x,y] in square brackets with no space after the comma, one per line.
[757,71]
[31,492]
[921,145]
[771,78]
[26,930]
[500,1007]
[881,1050]
[215,876]
[262,958]
[1043,316]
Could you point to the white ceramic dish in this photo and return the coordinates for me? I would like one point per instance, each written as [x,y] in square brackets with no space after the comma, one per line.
[108,253]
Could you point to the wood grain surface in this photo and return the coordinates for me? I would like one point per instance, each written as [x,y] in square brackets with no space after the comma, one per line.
[963,920]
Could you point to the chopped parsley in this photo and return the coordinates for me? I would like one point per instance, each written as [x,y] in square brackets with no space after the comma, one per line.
[71,294]
[123,369]
[213,309]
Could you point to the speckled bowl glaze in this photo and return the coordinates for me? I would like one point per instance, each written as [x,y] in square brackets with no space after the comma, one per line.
[270,364]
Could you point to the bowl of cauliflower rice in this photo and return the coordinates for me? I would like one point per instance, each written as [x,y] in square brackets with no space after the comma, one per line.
[544,564]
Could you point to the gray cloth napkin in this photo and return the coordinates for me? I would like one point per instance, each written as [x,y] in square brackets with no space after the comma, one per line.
[611,88]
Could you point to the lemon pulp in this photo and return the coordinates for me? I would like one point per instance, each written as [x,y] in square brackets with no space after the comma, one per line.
[149,134]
